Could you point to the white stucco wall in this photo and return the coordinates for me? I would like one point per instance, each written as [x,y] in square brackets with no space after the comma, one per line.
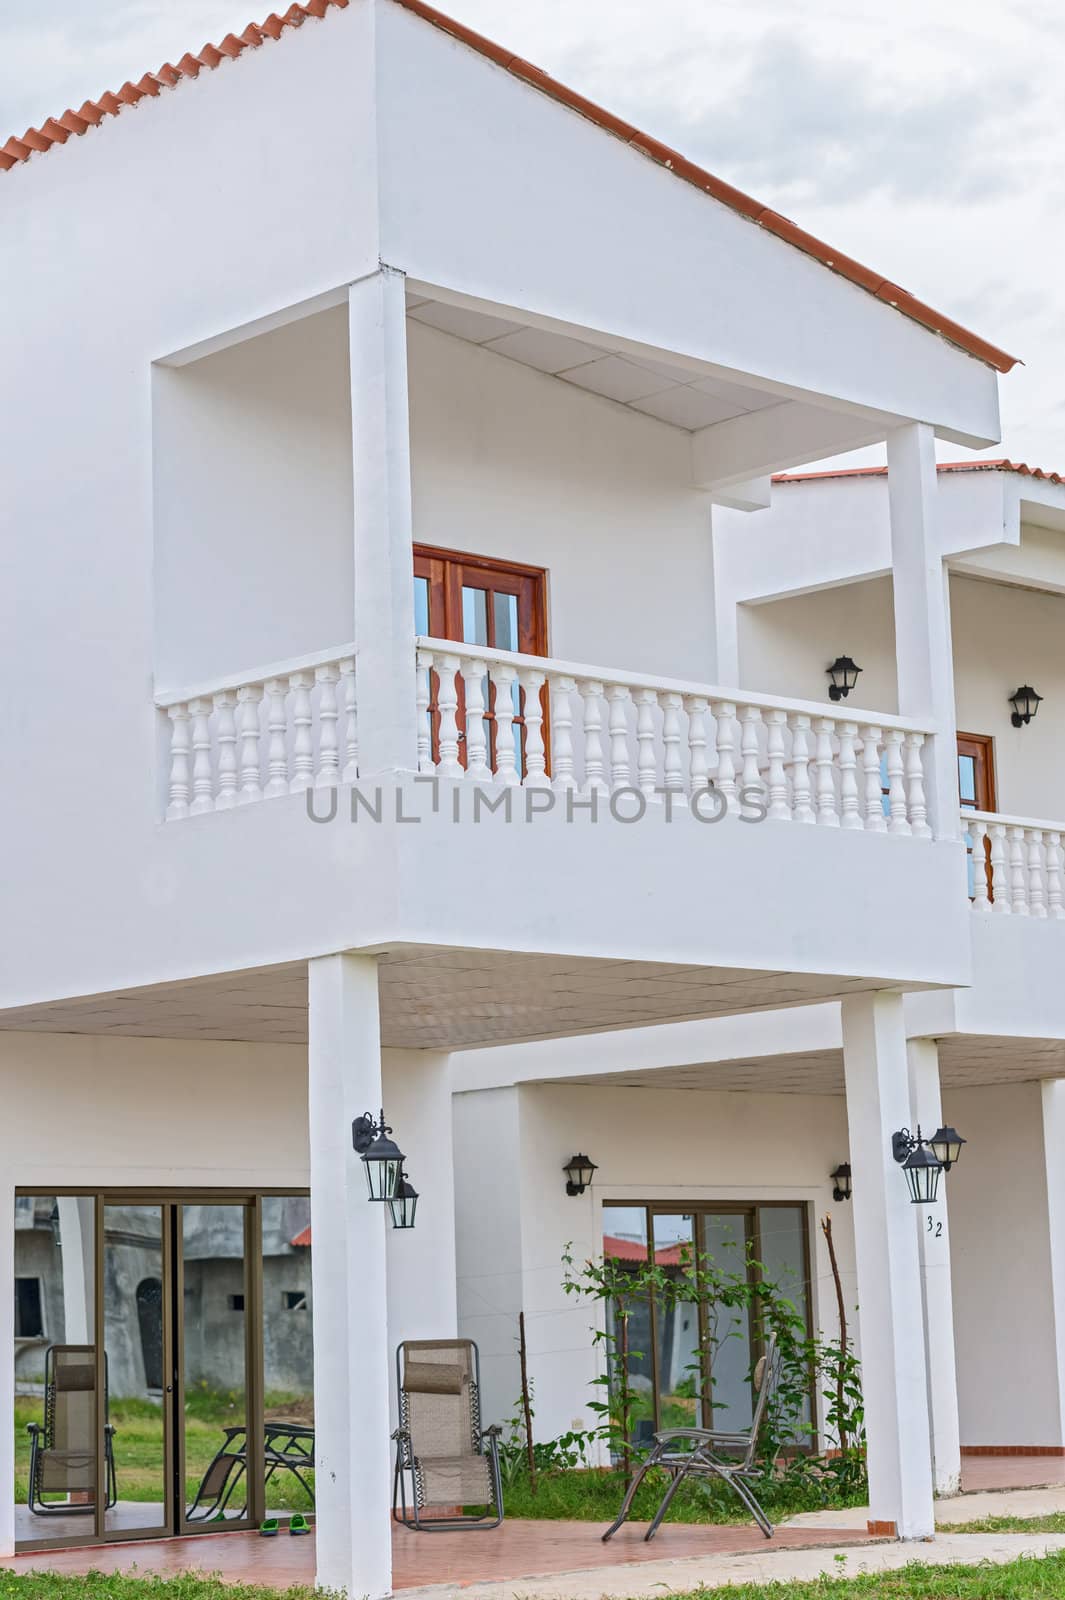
[1005,636]
[1000,1270]
[786,645]
[670,1145]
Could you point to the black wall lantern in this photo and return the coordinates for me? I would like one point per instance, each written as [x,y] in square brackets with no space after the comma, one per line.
[382,1159]
[404,1204]
[843,674]
[841,1181]
[1025,703]
[578,1170]
[922,1160]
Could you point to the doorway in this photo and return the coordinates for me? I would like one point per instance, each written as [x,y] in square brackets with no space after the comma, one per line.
[168,1386]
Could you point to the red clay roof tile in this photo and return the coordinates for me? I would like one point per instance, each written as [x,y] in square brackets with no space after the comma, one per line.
[1000,464]
[16,151]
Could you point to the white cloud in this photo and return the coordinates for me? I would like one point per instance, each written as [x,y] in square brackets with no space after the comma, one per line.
[927,141]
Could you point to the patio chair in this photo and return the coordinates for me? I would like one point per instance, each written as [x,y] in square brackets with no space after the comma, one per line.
[63,1451]
[287,1447]
[707,1452]
[452,1462]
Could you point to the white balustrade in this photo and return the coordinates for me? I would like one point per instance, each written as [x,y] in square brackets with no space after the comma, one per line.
[1017,865]
[258,735]
[607,732]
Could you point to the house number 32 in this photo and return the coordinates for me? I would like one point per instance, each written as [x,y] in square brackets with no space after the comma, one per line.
[934,1228]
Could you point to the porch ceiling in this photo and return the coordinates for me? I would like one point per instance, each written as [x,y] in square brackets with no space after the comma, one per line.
[683,396]
[433,998]
[966,1061]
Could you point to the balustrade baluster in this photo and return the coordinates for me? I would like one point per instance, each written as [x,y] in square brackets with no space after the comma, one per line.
[898,822]
[646,758]
[300,684]
[532,683]
[696,706]
[978,839]
[672,764]
[915,796]
[799,763]
[1055,908]
[725,739]
[178,787]
[562,689]
[779,809]
[750,774]
[473,677]
[1018,884]
[202,777]
[1000,885]
[618,698]
[277,746]
[1036,891]
[249,699]
[504,677]
[448,765]
[350,771]
[328,774]
[873,795]
[850,815]
[824,780]
[226,724]
[423,678]
[591,692]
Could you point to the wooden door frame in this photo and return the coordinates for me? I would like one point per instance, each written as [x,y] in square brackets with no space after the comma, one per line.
[446,587]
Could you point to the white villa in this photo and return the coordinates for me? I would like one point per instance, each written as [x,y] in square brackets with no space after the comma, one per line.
[403,463]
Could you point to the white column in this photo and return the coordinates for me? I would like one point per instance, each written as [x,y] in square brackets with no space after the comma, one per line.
[889,1281]
[922,613]
[352,1448]
[1053,1091]
[76,1235]
[933,1238]
[384,592]
[7,1367]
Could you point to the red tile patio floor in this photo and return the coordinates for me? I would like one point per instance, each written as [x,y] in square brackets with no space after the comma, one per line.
[516,1550]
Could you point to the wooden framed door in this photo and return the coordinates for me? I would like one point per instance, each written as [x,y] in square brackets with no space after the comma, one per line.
[477,600]
[976,790]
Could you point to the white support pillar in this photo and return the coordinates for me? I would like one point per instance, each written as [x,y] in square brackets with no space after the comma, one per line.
[384,581]
[1053,1093]
[7,1367]
[352,1449]
[889,1282]
[933,1236]
[76,1235]
[922,613]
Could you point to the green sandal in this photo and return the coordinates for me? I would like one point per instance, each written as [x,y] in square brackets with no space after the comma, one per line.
[299,1523]
[270,1528]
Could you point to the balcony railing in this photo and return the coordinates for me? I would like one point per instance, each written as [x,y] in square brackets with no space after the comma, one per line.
[288,727]
[1017,866]
[494,716]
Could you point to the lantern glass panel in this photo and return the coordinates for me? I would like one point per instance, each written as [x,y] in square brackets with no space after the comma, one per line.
[922,1176]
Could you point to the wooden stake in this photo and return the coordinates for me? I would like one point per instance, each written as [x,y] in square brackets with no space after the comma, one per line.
[526,1403]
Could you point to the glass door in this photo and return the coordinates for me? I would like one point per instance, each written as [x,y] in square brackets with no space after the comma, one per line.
[135,1369]
[214,1363]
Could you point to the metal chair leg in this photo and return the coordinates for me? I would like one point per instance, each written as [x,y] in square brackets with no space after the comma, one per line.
[677,1477]
[630,1495]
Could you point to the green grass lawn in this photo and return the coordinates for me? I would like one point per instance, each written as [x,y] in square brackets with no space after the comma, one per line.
[596,1495]
[138,1445]
[112,1586]
[1052,1522]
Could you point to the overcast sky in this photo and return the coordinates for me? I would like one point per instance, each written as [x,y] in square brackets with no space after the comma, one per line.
[927,140]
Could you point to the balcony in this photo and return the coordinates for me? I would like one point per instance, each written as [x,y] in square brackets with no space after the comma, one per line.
[508,720]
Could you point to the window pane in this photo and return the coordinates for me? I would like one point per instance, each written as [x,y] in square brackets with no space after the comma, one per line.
[212,1245]
[782,1249]
[505,617]
[421,606]
[625,1241]
[288,1361]
[54,1330]
[474,616]
[677,1326]
[967,780]
[134,1346]
[729,1332]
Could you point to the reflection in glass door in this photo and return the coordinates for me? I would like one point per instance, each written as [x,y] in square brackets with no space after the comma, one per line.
[213,1364]
[137,1367]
